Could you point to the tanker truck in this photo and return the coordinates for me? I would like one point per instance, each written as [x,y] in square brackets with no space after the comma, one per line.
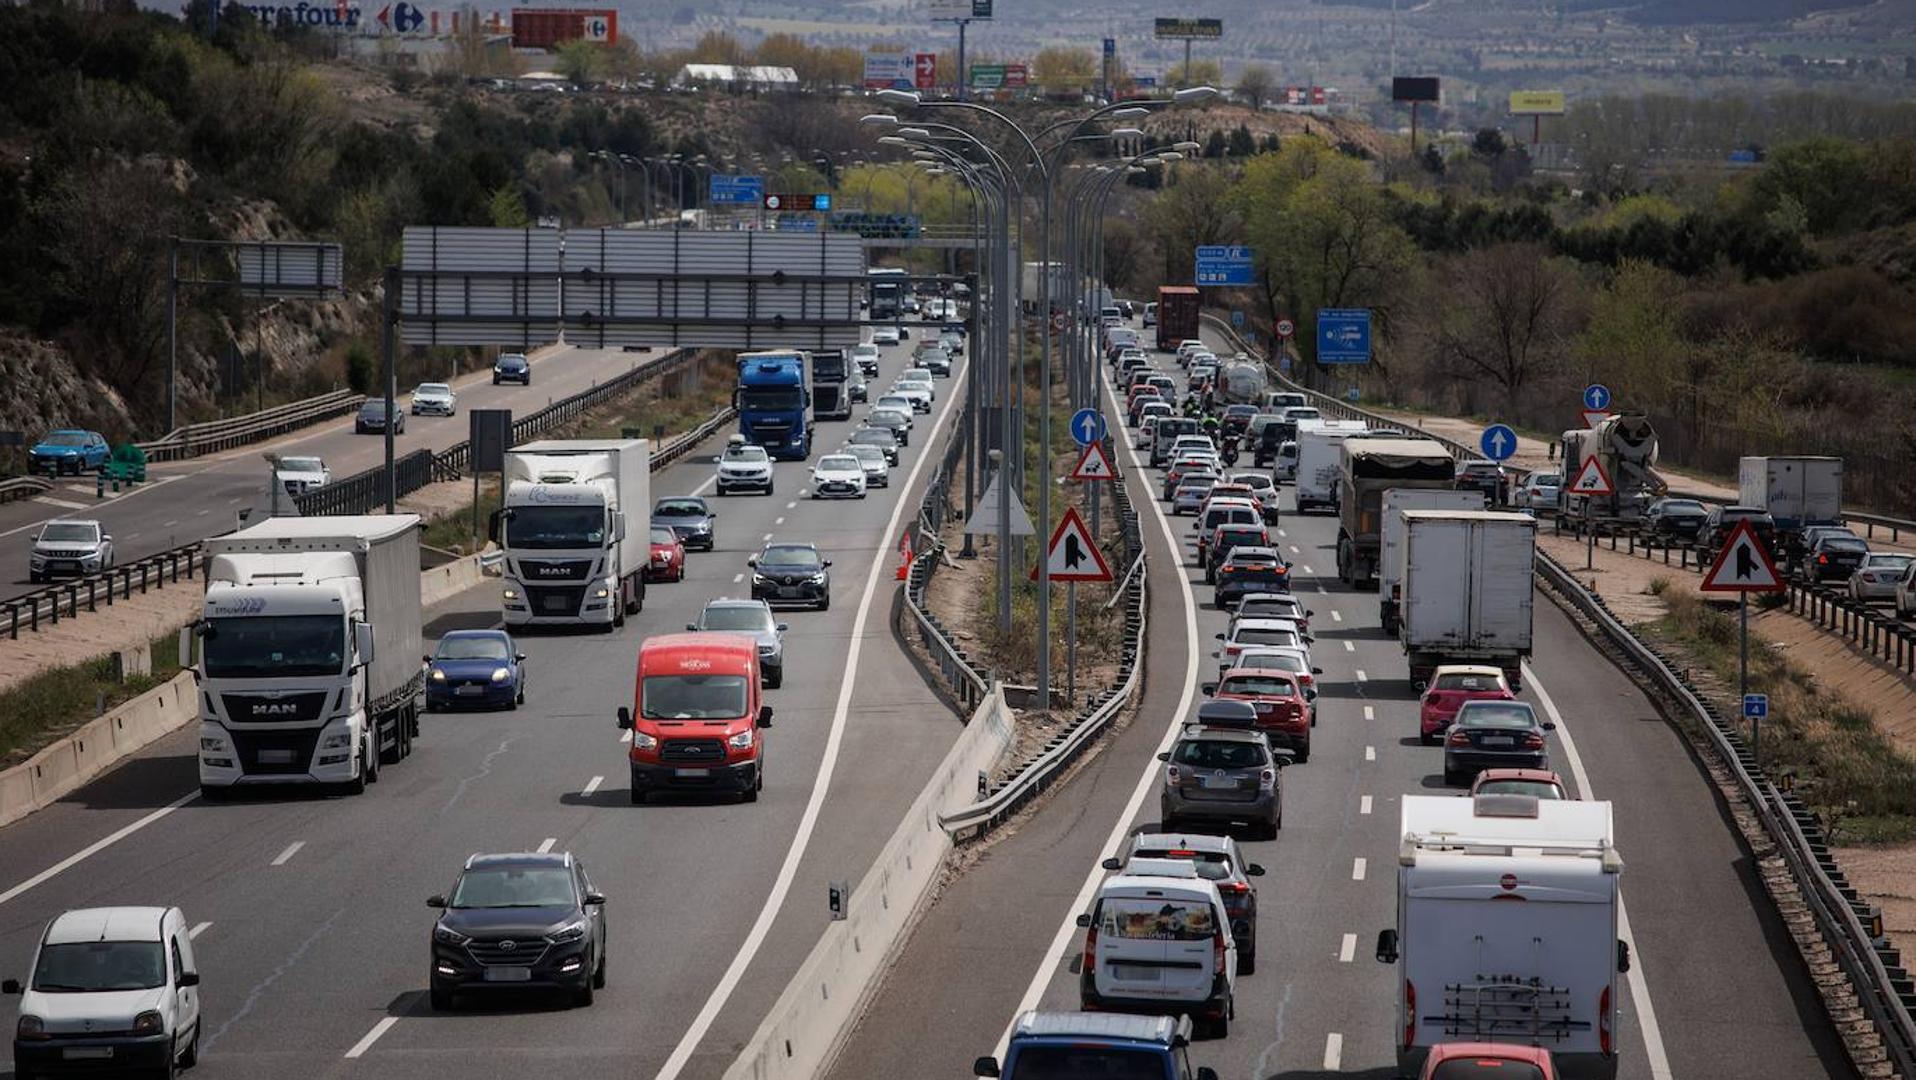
[1242,381]
[1624,448]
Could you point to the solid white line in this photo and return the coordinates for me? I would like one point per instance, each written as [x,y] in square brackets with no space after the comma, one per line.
[1357,868]
[1639,986]
[1068,929]
[1370,713]
[1363,805]
[1337,616]
[814,803]
[372,1036]
[1350,647]
[198,929]
[592,785]
[546,844]
[1348,949]
[1370,753]
[1333,1052]
[63,504]
[1361,677]
[96,847]
[292,849]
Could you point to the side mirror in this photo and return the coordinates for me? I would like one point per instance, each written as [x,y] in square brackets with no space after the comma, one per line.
[1205,1072]
[1220,637]
[1084,921]
[188,978]
[363,642]
[1164,755]
[782,627]
[625,718]
[752,562]
[1623,957]
[593,899]
[618,526]
[10,986]
[186,646]
[1254,870]
[985,1066]
[492,524]
[1317,671]
[764,716]
[691,626]
[1112,864]
[519,657]
[828,564]
[425,659]
[1548,726]
[1387,946]
[1209,688]
[435,901]
[106,538]
[1308,613]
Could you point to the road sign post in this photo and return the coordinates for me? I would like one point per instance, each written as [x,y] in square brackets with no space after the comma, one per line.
[1743,567]
[1087,426]
[1499,442]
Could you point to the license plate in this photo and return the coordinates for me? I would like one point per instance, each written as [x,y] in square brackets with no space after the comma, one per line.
[66,564]
[788,590]
[690,773]
[1137,973]
[275,757]
[1499,740]
[87,1053]
[555,603]
[467,690]
[1224,782]
[508,974]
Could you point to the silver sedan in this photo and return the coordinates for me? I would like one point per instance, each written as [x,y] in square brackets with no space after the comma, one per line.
[1876,579]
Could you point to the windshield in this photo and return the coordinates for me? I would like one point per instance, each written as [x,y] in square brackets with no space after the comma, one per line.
[1478,683]
[692,697]
[258,646]
[514,887]
[1496,714]
[1276,661]
[72,534]
[376,407]
[435,389]
[555,527]
[1040,1062]
[840,463]
[679,508]
[1156,920]
[301,464]
[95,966]
[751,619]
[472,648]
[662,535]
[868,456]
[1476,1068]
[1266,637]
[1536,789]
[789,558]
[67,438]
[873,437]
[770,397]
[745,453]
[1258,686]
[1890,562]
[1844,543]
[1219,754]
[1210,865]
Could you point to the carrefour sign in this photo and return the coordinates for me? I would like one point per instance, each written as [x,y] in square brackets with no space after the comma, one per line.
[342,16]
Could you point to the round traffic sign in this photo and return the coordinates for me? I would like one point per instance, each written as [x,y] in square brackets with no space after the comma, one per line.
[1087,426]
[1285,328]
[772,202]
[1499,442]
[1596,397]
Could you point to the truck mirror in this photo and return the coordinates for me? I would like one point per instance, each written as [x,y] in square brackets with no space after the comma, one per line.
[764,716]
[618,526]
[985,1066]
[186,647]
[363,642]
[1387,946]
[625,718]
[1623,957]
[492,524]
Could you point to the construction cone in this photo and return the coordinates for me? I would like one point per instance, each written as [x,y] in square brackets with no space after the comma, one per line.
[904,553]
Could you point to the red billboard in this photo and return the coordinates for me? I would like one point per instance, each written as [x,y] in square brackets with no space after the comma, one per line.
[545,28]
[925,70]
[1017,76]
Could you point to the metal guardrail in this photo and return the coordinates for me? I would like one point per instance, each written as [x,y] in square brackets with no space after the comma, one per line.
[23,487]
[1038,772]
[214,435]
[1883,987]
[65,599]
[964,677]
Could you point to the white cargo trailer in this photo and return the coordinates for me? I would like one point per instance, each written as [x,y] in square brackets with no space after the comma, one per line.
[1797,491]
[1319,452]
[1464,590]
[1390,562]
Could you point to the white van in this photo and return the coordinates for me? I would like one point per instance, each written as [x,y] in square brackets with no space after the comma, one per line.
[1158,940]
[125,972]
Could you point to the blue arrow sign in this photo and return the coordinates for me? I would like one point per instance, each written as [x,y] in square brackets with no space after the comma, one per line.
[1087,426]
[1343,335]
[1756,706]
[1499,442]
[1596,397]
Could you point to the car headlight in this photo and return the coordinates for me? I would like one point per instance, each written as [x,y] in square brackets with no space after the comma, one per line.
[149,1022]
[31,1027]
[447,936]
[501,674]
[440,676]
[571,931]
[642,741]
[819,578]
[601,593]
[336,741]
[512,594]
[760,579]
[741,741]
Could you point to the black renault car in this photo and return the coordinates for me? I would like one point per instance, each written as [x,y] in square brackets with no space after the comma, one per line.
[792,574]
[520,921]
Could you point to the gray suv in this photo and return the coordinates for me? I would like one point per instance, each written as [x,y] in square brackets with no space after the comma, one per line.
[753,619]
[70,547]
[1221,775]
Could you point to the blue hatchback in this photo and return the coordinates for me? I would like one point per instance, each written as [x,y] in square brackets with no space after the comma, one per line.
[476,669]
[1095,1044]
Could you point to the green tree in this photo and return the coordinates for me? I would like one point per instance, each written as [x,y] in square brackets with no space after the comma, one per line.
[581,62]
[1827,177]
[1202,73]
[1190,211]
[507,208]
[1506,316]
[1241,143]
[1060,70]
[1255,85]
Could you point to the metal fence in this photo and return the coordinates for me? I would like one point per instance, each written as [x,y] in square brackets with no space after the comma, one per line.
[67,598]
[215,435]
[964,677]
[23,487]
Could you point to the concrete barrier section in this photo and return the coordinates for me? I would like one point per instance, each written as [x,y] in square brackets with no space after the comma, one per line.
[441,582]
[802,1032]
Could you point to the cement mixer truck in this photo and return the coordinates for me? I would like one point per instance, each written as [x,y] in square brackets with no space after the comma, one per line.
[1623,449]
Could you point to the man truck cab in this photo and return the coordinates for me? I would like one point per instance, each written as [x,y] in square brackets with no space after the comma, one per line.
[698,718]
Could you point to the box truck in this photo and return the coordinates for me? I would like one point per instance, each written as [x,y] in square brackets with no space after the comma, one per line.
[1177,315]
[1507,920]
[309,652]
[1797,491]
[1320,446]
[831,387]
[1463,585]
[1368,468]
[575,527]
[1390,557]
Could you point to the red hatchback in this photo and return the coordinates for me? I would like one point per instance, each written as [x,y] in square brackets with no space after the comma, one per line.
[1450,687]
[1283,714]
[1487,1061]
[668,555]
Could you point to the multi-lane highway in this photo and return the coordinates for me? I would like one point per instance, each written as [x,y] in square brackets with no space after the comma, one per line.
[1716,989]
[309,915]
[188,500]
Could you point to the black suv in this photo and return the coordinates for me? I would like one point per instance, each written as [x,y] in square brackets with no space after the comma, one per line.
[522,921]
[792,574]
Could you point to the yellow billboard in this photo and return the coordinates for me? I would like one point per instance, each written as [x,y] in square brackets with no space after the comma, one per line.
[1536,103]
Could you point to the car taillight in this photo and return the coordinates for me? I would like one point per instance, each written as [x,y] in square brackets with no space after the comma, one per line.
[1266,780]
[1459,738]
[1823,559]
[1217,950]
[1171,775]
[1233,888]
[1533,741]
[1410,1012]
[1603,1022]
[1091,948]
[1306,680]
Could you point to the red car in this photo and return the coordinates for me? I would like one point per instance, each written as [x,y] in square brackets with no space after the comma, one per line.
[1283,714]
[668,555]
[1537,783]
[1487,1061]
[1450,687]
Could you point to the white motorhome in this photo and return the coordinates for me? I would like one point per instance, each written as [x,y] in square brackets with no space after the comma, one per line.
[1507,916]
[576,528]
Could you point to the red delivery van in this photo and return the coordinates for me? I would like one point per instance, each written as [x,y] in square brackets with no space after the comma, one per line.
[697,719]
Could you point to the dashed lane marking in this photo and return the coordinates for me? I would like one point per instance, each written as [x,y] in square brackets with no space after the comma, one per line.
[286,856]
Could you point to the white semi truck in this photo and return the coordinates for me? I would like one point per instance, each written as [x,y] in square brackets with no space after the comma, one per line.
[1390,559]
[309,638]
[1464,592]
[1320,446]
[1507,922]
[575,527]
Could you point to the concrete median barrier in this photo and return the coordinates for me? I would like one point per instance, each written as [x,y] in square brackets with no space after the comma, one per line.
[441,582]
[804,1029]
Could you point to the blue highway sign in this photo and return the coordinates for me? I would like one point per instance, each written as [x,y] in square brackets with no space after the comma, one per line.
[1343,335]
[737,190]
[1499,442]
[1087,426]
[1222,264]
[1596,397]
[1756,706]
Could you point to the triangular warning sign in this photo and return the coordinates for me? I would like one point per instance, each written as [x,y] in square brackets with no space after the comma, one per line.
[984,515]
[1744,565]
[1071,555]
[1593,417]
[1592,480]
[1093,464]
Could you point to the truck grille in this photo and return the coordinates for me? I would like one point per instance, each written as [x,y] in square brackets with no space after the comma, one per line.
[524,951]
[275,753]
[693,750]
[283,709]
[554,569]
[560,600]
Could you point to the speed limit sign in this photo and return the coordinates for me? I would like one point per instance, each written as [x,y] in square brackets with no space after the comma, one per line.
[1285,329]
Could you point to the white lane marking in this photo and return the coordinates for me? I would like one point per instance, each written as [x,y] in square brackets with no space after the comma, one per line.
[1068,929]
[767,536]
[1337,616]
[1281,532]
[778,521]
[1363,805]
[1370,713]
[815,802]
[1294,550]
[96,847]
[545,845]
[1322,591]
[1347,949]
[372,1036]
[1639,985]
[736,578]
[198,929]
[1361,677]
[1370,753]
[169,524]
[1333,1052]
[286,856]
[1308,570]
[1350,646]
[201,513]
[64,504]
[592,785]
[793,505]
[1357,868]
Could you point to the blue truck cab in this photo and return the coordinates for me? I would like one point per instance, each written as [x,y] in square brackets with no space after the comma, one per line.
[772,399]
[1051,1044]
